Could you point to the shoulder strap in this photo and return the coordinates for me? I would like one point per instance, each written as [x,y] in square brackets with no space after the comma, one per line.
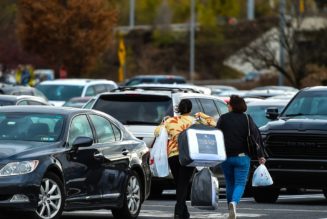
[247,118]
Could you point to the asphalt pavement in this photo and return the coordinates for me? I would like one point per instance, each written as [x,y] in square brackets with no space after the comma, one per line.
[311,205]
[303,206]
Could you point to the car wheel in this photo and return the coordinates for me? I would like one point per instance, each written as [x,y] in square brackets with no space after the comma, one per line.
[325,192]
[132,199]
[265,194]
[51,198]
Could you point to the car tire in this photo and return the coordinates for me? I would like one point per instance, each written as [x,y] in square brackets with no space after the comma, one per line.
[132,199]
[51,198]
[267,194]
[325,192]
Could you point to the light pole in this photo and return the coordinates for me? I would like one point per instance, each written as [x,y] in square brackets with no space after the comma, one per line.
[192,36]
[250,10]
[131,14]
[282,24]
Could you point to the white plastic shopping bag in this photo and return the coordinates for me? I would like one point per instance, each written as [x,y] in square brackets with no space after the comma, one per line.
[158,155]
[261,177]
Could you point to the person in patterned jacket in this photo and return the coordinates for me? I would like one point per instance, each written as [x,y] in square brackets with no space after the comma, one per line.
[182,174]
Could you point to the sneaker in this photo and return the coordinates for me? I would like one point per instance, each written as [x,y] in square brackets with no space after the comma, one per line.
[232,210]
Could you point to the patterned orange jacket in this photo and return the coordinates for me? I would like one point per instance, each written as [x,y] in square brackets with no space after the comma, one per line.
[177,124]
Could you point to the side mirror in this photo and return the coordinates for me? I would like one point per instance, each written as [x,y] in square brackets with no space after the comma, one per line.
[82,142]
[272,113]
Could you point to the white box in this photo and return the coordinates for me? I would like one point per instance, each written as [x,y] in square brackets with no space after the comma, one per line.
[206,147]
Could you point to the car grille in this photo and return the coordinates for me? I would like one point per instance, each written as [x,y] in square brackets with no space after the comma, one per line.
[297,146]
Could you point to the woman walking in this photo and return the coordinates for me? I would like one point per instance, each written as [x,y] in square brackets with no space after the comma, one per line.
[182,174]
[234,126]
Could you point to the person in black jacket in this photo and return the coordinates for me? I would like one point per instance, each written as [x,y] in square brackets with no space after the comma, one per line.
[234,126]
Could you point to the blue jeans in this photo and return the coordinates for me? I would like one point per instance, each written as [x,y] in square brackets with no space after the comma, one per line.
[236,170]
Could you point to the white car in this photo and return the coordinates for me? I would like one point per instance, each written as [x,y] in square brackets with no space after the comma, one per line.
[61,90]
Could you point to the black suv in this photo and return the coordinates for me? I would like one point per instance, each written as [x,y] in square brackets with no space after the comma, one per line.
[296,143]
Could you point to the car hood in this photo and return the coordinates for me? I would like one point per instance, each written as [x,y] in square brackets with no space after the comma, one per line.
[300,123]
[22,148]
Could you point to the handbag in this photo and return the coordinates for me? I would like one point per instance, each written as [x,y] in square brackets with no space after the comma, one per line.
[252,144]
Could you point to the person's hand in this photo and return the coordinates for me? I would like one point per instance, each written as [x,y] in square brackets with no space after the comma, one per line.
[262,160]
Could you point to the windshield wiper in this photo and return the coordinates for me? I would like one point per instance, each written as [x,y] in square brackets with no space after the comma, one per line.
[297,114]
[134,122]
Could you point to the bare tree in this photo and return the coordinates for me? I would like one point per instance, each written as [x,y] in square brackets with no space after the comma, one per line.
[263,53]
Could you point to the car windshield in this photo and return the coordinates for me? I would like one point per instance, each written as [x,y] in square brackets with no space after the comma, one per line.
[136,109]
[307,103]
[258,114]
[30,127]
[60,92]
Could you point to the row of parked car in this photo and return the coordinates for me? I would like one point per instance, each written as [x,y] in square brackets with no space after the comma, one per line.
[59,158]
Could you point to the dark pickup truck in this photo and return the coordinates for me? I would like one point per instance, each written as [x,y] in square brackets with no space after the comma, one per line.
[296,142]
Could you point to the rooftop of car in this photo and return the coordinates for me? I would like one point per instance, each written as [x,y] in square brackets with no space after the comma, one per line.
[316,88]
[15,97]
[268,103]
[158,76]
[75,81]
[43,109]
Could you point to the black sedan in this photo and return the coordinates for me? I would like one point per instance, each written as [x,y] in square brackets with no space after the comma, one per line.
[54,159]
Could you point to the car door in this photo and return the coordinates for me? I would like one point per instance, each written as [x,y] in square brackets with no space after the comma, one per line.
[85,169]
[115,154]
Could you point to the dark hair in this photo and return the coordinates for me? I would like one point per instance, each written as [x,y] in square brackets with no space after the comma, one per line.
[237,103]
[185,106]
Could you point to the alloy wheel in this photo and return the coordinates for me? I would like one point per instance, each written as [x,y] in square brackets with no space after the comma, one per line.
[133,195]
[50,199]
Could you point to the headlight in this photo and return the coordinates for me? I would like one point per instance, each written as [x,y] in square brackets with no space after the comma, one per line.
[19,168]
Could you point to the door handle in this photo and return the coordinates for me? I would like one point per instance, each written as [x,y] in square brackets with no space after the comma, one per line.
[98,155]
[125,152]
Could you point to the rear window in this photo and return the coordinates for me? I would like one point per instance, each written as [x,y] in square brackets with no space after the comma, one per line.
[136,109]
[60,92]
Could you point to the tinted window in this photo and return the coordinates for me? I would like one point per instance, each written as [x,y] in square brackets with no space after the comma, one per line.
[117,132]
[109,87]
[209,108]
[6,103]
[60,92]
[32,102]
[222,107]
[308,103]
[103,128]
[171,81]
[195,106]
[135,109]
[100,88]
[90,91]
[258,114]
[23,102]
[30,127]
[79,127]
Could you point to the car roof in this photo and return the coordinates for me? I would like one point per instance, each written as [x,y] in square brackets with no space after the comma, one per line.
[43,109]
[76,81]
[315,88]
[268,103]
[158,76]
[17,97]
[192,87]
